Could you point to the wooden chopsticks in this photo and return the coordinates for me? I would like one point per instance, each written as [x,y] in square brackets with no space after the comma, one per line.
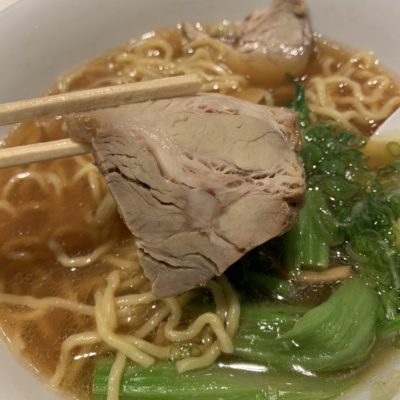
[92,99]
[78,101]
[31,153]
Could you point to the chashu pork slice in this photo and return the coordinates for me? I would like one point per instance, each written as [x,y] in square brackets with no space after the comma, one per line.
[267,44]
[198,180]
[280,33]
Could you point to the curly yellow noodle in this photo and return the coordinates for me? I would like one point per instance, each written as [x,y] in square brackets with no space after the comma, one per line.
[30,315]
[153,322]
[125,264]
[114,379]
[233,310]
[106,209]
[138,282]
[16,248]
[77,340]
[47,303]
[80,261]
[355,94]
[115,341]
[37,177]
[208,357]
[219,298]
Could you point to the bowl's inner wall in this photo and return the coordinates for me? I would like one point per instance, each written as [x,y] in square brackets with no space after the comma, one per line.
[41,39]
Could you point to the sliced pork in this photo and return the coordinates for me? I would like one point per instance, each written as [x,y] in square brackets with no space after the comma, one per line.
[280,33]
[198,180]
[268,44]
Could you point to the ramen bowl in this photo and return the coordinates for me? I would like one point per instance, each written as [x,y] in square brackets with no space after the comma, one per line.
[41,40]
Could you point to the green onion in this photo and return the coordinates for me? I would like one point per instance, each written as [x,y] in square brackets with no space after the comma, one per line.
[311,155]
[338,188]
[393,148]
[299,104]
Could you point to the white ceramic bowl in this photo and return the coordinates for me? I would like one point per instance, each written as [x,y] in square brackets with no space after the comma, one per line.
[40,39]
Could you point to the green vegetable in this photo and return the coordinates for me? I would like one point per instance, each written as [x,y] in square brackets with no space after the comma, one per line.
[335,335]
[222,381]
[357,211]
[277,288]
[299,104]
[306,244]
[333,162]
[389,327]
[163,382]
[372,245]
[255,276]
[336,174]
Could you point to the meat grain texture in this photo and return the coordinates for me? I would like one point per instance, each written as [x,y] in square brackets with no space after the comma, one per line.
[268,44]
[198,180]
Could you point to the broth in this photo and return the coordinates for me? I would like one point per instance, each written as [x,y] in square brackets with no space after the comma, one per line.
[60,201]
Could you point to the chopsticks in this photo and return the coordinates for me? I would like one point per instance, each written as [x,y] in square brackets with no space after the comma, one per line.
[78,101]
[93,99]
[31,153]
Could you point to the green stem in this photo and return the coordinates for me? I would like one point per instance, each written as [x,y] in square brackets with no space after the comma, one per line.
[162,382]
[222,381]
[305,244]
[299,104]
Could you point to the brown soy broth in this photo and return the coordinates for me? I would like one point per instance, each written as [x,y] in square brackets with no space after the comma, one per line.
[42,215]
[30,268]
